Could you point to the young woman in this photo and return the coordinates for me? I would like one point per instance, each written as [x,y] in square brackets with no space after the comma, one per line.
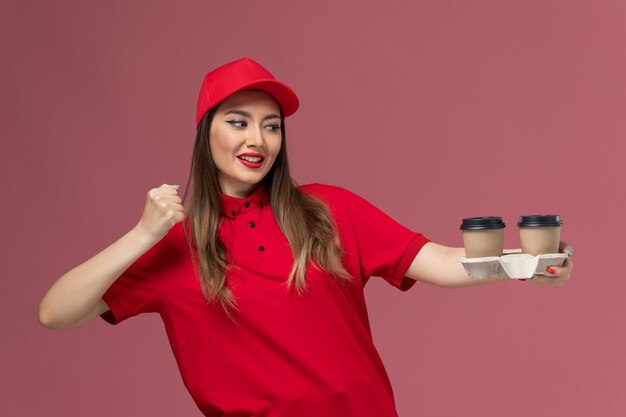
[259,282]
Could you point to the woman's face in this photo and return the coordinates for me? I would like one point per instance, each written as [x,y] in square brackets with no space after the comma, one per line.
[246,125]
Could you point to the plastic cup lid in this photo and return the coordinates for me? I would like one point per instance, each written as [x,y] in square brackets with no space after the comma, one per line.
[544,220]
[482,223]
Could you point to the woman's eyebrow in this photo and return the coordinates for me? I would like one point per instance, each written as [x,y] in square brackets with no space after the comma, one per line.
[248,115]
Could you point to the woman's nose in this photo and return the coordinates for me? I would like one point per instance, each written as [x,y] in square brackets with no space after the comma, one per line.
[255,136]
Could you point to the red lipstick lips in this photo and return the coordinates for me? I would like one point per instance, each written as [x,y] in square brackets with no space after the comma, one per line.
[252,164]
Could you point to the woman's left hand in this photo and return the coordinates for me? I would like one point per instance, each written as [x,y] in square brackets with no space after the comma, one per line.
[557,275]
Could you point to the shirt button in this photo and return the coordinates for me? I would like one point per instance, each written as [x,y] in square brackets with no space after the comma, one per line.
[252,225]
[247,204]
[261,248]
[261,203]
[232,213]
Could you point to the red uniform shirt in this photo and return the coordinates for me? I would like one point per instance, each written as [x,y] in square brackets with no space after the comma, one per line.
[289,355]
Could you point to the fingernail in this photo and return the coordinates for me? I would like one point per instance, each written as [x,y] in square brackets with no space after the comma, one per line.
[176,185]
[550,270]
[570,251]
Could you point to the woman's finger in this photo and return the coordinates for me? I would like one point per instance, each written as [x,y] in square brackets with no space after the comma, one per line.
[565,247]
[545,280]
[560,274]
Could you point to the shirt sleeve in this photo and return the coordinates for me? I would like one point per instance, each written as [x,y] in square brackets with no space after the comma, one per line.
[139,288]
[386,248]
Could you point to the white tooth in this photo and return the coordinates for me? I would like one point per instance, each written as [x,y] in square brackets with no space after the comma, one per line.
[250,158]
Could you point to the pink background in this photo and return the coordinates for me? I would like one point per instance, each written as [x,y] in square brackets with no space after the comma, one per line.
[432,110]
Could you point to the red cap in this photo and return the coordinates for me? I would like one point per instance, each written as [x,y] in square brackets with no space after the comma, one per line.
[242,74]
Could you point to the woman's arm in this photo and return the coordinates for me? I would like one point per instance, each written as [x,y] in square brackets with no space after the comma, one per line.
[76,297]
[438,265]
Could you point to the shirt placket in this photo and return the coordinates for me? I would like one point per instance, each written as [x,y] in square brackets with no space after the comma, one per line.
[252,217]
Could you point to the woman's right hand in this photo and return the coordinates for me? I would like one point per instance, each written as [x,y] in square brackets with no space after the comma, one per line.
[162,211]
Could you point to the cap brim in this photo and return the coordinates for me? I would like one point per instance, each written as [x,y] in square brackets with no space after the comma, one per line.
[285,96]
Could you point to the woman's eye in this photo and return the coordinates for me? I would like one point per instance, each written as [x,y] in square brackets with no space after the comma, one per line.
[237,123]
[273,127]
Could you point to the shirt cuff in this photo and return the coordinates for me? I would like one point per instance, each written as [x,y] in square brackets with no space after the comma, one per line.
[116,309]
[399,278]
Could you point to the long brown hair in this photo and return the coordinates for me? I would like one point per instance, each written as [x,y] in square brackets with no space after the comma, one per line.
[305,222]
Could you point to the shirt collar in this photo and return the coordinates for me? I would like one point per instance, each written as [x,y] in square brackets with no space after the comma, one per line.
[231,206]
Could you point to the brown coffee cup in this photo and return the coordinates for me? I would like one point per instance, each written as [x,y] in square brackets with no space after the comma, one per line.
[540,234]
[483,236]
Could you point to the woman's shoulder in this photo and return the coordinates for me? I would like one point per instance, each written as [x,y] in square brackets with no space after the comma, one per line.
[322,189]
[331,194]
[339,199]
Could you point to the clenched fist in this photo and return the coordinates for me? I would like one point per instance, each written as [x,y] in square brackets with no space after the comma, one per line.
[162,211]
